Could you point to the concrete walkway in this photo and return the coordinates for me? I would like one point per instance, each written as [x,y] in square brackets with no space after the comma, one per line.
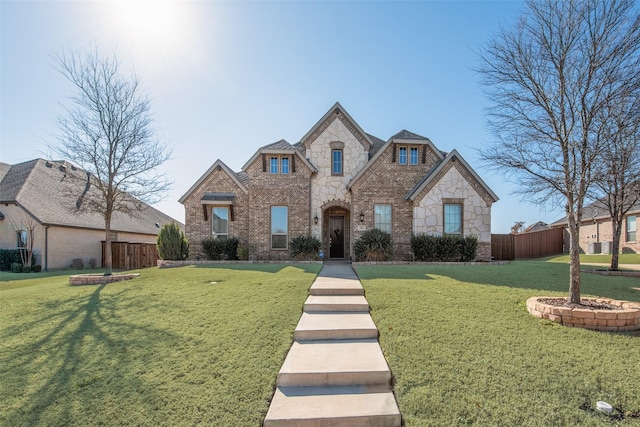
[335,373]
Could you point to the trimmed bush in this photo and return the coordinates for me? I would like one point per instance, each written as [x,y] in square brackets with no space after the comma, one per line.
[36,268]
[305,248]
[221,249]
[93,263]
[77,264]
[242,252]
[16,267]
[8,257]
[373,245]
[171,243]
[26,269]
[430,248]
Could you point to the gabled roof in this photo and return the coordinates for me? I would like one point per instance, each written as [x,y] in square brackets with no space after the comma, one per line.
[47,191]
[593,211]
[237,178]
[433,173]
[407,137]
[336,112]
[280,147]
[377,145]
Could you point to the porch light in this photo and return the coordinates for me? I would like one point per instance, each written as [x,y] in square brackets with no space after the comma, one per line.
[315,219]
[361,216]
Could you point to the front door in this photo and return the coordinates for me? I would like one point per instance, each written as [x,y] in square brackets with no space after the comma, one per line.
[336,237]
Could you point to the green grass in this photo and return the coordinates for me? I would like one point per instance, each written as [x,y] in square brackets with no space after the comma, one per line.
[167,348]
[600,259]
[464,350]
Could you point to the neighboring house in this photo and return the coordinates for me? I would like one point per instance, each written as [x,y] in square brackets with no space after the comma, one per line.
[40,192]
[596,233]
[538,226]
[334,184]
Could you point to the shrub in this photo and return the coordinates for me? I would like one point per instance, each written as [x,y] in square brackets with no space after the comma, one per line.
[26,269]
[373,245]
[77,264]
[242,252]
[426,247]
[221,249]
[93,263]
[16,267]
[36,268]
[171,243]
[305,248]
[8,257]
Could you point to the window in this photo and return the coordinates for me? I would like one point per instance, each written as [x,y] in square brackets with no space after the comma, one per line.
[279,227]
[382,217]
[284,165]
[273,165]
[336,162]
[402,155]
[21,239]
[220,222]
[453,219]
[631,228]
[414,156]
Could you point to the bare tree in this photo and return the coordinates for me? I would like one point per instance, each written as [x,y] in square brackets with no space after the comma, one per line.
[617,173]
[517,227]
[108,132]
[27,229]
[549,80]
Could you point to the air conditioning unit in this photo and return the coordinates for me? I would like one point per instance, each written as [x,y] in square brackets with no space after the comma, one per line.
[593,248]
[607,247]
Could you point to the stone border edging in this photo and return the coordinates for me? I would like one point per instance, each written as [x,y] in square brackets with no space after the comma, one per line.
[99,279]
[623,273]
[165,263]
[623,320]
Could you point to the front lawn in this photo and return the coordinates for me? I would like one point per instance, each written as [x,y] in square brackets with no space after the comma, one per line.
[599,259]
[185,346]
[464,350]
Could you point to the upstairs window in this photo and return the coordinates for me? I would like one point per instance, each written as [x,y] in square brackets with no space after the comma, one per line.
[453,219]
[279,227]
[382,217]
[273,165]
[413,159]
[336,162]
[220,222]
[631,228]
[402,155]
[284,165]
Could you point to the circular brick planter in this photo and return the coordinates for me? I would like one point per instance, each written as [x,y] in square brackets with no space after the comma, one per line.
[627,318]
[99,279]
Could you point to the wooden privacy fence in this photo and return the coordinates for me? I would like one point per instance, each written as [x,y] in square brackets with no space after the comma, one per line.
[536,244]
[132,256]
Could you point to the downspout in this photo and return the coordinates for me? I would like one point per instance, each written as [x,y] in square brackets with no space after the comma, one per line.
[46,248]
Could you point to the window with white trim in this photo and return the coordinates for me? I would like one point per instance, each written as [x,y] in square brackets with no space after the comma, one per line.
[284,165]
[21,239]
[273,165]
[220,222]
[631,228]
[413,157]
[279,227]
[402,155]
[382,217]
[453,218]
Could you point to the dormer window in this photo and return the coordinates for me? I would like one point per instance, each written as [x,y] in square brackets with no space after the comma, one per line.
[402,155]
[413,158]
[336,162]
[284,165]
[273,165]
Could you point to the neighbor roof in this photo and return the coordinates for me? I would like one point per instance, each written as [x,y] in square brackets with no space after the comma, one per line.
[595,210]
[44,189]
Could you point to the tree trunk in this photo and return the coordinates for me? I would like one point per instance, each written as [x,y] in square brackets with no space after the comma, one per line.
[616,226]
[574,256]
[108,258]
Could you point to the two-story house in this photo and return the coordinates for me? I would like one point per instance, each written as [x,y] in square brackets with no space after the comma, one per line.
[334,184]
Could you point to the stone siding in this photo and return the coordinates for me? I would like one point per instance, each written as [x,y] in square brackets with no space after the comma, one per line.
[428,214]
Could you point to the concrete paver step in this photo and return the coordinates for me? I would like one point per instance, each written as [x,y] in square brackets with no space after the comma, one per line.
[333,406]
[331,286]
[335,326]
[334,363]
[343,303]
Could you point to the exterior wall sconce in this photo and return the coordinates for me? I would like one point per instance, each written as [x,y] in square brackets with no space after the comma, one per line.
[315,220]
[361,216]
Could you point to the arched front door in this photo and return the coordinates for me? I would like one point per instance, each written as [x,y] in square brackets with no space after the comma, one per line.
[336,236]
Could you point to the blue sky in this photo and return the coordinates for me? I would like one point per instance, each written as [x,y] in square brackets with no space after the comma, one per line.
[226,78]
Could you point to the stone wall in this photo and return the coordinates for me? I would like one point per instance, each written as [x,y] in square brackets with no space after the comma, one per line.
[428,214]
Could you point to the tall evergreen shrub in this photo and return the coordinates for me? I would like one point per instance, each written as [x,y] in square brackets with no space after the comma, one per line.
[171,243]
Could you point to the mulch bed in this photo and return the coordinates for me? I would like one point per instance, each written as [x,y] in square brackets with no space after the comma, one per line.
[585,303]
